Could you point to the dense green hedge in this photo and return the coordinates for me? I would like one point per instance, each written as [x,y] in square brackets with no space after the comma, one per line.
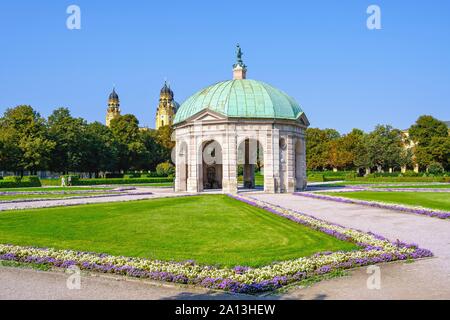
[18,182]
[322,176]
[91,182]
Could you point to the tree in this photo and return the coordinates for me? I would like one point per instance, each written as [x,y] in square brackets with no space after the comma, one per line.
[343,151]
[425,129]
[431,141]
[131,150]
[439,150]
[384,147]
[100,151]
[24,140]
[317,146]
[155,154]
[68,133]
[163,137]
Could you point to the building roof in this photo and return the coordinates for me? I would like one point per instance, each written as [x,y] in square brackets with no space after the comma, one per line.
[241,99]
[166,89]
[114,95]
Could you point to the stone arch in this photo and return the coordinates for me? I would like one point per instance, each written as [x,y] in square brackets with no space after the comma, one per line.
[250,154]
[283,168]
[210,173]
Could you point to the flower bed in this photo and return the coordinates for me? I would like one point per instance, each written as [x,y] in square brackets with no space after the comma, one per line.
[39,193]
[109,195]
[397,207]
[241,279]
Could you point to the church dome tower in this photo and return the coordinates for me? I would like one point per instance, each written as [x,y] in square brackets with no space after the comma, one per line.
[167,107]
[113,111]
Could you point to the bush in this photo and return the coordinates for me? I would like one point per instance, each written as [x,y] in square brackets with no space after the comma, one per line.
[33,181]
[435,168]
[113,175]
[316,178]
[411,173]
[153,174]
[15,179]
[96,182]
[73,179]
[18,182]
[350,176]
[165,169]
[51,182]
[132,175]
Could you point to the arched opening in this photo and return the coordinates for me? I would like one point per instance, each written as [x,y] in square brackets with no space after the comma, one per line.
[182,167]
[211,171]
[250,164]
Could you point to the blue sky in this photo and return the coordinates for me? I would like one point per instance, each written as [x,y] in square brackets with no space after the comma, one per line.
[320,52]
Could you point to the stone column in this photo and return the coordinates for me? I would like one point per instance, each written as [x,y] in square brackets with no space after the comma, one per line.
[178,168]
[229,159]
[271,161]
[282,164]
[193,164]
[301,179]
[290,164]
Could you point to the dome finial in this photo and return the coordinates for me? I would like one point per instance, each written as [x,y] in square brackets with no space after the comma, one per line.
[239,68]
[239,54]
[114,96]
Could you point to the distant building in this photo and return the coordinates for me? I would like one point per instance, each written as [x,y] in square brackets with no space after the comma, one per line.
[113,111]
[167,108]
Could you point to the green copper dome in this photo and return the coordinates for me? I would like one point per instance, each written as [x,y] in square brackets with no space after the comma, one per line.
[241,99]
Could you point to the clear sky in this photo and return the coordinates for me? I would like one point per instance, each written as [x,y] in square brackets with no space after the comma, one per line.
[319,52]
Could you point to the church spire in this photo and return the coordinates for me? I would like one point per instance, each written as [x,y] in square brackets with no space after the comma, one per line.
[113,110]
[239,68]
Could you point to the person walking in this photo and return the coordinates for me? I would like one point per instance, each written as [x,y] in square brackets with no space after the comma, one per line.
[63,181]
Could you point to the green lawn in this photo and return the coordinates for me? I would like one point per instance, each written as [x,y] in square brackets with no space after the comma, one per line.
[48,196]
[212,229]
[433,200]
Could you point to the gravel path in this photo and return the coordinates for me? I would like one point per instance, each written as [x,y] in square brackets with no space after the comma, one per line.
[140,193]
[28,284]
[425,279]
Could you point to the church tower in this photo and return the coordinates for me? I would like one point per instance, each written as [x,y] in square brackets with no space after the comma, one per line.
[113,111]
[167,108]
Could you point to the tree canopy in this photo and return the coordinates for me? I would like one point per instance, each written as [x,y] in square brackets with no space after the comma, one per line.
[63,143]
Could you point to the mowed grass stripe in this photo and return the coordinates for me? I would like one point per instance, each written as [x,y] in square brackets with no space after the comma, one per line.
[213,229]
